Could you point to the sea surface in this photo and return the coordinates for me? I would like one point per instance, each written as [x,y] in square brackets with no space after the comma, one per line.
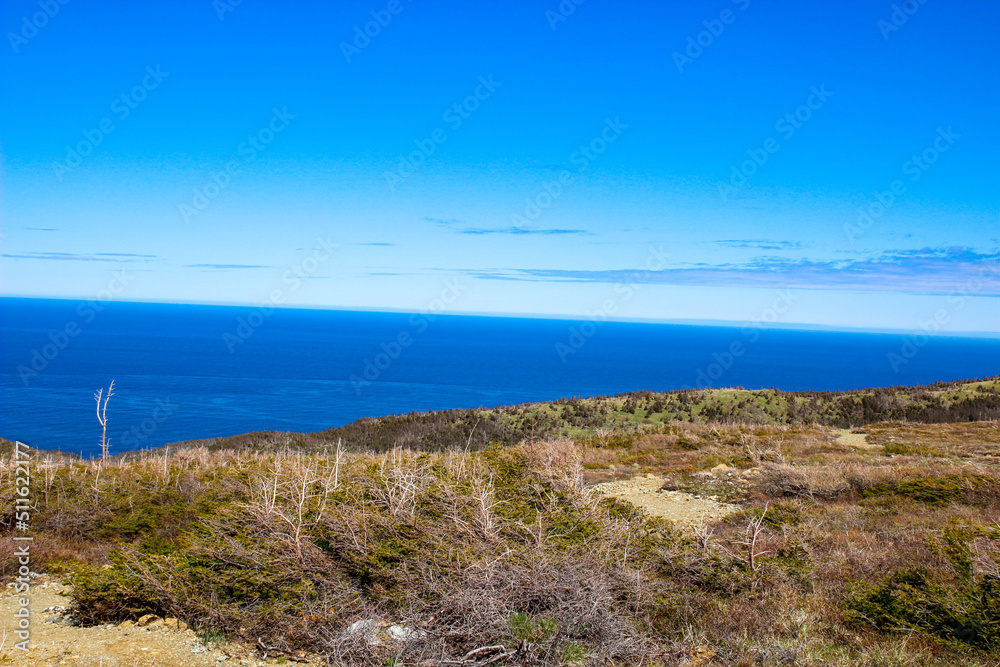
[184,372]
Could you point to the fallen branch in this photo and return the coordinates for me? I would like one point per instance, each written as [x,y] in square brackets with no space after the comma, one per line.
[278,651]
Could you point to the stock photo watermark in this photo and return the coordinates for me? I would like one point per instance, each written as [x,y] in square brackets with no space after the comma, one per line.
[135,437]
[23,504]
[455,116]
[247,151]
[392,349]
[787,126]
[581,158]
[59,340]
[913,168]
[122,107]
[363,35]
[223,7]
[579,335]
[30,25]
[751,332]
[562,13]
[898,17]
[291,280]
[912,344]
[696,44]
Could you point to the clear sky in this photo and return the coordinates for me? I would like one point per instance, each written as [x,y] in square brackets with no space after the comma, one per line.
[632,160]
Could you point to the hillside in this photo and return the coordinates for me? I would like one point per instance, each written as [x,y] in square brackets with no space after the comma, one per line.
[605,539]
[640,412]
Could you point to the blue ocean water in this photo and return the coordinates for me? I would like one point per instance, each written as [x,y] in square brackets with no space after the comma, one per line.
[184,372]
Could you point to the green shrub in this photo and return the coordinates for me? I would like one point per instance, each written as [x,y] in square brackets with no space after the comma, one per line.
[110,593]
[933,490]
[967,614]
[903,449]
[531,628]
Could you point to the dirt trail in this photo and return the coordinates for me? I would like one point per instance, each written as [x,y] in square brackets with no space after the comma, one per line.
[54,641]
[683,508]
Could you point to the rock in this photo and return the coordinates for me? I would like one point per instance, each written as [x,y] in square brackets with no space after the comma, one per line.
[147,620]
[127,624]
[365,627]
[174,624]
[402,633]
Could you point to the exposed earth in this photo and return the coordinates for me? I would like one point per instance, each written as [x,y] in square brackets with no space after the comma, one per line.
[150,642]
[684,508]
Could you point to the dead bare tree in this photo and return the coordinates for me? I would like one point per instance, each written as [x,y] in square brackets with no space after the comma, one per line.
[102,417]
[754,528]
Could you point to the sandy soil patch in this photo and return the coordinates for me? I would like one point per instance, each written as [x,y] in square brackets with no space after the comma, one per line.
[55,641]
[683,508]
[848,439]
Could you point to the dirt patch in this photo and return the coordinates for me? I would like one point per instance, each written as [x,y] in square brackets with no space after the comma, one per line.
[56,641]
[849,439]
[682,508]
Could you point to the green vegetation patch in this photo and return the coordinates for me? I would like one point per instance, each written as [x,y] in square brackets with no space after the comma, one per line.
[937,490]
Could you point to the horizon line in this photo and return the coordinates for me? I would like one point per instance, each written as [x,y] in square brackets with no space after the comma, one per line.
[693,322]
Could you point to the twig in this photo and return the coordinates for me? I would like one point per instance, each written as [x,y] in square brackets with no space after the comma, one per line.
[469,441]
[277,651]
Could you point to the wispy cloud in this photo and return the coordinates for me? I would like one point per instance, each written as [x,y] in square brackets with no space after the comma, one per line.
[228,266]
[520,231]
[78,257]
[462,227]
[918,271]
[41,229]
[385,245]
[449,222]
[761,244]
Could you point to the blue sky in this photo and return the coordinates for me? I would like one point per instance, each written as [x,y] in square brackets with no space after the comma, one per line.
[632,160]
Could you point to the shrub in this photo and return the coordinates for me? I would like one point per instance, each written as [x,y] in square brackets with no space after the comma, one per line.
[962,608]
[967,614]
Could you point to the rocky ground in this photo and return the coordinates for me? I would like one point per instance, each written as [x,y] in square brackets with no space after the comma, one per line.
[647,493]
[148,642]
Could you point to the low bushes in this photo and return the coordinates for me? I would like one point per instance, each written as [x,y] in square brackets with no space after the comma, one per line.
[962,609]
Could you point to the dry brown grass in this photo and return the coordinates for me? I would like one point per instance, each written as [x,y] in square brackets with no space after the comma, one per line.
[461,544]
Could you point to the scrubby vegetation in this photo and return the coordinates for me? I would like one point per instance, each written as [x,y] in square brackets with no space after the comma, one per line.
[879,546]
[625,414]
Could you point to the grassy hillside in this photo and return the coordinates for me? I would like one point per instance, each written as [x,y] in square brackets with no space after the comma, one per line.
[874,547]
[639,413]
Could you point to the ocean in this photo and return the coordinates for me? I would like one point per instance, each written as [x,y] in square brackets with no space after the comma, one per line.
[185,372]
